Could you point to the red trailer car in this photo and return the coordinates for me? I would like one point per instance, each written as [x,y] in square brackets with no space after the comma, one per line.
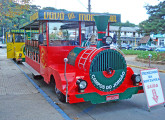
[75,56]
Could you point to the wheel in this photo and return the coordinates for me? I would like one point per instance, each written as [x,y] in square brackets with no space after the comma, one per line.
[18,62]
[14,59]
[60,95]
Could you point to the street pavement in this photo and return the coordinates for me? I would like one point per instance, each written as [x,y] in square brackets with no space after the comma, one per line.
[133,63]
[2,45]
[19,99]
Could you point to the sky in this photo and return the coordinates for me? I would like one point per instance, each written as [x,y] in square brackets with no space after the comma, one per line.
[130,10]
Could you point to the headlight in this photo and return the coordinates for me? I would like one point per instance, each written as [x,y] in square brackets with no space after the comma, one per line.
[82,84]
[108,40]
[136,79]
[20,55]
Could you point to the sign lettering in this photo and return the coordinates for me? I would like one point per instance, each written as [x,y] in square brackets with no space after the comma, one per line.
[152,87]
[54,15]
[34,16]
[112,18]
[107,87]
[71,16]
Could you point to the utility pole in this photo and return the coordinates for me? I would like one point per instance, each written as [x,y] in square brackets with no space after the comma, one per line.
[89,6]
[89,10]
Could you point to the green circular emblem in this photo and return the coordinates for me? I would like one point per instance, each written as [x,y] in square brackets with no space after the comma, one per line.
[108,70]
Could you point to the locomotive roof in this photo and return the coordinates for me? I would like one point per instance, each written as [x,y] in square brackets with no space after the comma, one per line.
[65,16]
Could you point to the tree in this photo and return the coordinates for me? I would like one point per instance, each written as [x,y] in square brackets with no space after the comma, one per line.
[14,13]
[52,8]
[126,24]
[156,21]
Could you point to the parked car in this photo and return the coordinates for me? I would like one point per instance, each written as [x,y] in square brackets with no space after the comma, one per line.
[161,49]
[144,48]
[153,46]
[126,46]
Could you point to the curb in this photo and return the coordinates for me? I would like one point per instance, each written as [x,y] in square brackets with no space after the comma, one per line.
[152,62]
[163,71]
[47,98]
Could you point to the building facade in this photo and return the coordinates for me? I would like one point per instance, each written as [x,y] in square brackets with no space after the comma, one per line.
[128,35]
[159,39]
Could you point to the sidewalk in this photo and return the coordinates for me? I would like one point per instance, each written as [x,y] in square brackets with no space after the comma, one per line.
[133,63]
[19,99]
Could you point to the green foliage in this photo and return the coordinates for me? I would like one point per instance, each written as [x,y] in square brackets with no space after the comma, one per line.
[14,14]
[48,8]
[131,52]
[126,24]
[156,56]
[156,20]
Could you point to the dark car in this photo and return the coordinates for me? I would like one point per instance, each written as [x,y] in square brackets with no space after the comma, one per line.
[144,48]
[126,46]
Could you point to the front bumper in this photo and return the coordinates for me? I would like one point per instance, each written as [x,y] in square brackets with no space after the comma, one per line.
[95,98]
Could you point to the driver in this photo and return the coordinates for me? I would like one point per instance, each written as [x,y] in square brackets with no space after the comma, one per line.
[93,40]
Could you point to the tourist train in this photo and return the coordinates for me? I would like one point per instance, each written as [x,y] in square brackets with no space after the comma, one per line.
[76,54]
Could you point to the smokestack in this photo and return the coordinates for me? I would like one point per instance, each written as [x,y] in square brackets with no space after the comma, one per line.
[101,24]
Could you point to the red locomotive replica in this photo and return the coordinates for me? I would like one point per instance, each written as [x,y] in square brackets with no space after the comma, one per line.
[80,69]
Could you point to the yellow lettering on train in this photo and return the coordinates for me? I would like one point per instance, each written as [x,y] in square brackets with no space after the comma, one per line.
[45,17]
[71,16]
[80,17]
[92,19]
[86,17]
[54,15]
[112,18]
[34,16]
[62,16]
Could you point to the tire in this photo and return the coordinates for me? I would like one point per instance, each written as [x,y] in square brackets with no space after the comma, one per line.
[14,59]
[60,95]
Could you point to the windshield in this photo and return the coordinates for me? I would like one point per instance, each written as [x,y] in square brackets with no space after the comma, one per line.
[63,34]
[19,38]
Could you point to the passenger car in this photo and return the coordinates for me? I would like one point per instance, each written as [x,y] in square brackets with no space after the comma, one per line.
[144,48]
[161,49]
[126,46]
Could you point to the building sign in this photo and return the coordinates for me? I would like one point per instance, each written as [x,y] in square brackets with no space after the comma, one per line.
[71,16]
[152,87]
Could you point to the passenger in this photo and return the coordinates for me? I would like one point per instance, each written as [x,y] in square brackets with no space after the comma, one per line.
[40,39]
[18,38]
